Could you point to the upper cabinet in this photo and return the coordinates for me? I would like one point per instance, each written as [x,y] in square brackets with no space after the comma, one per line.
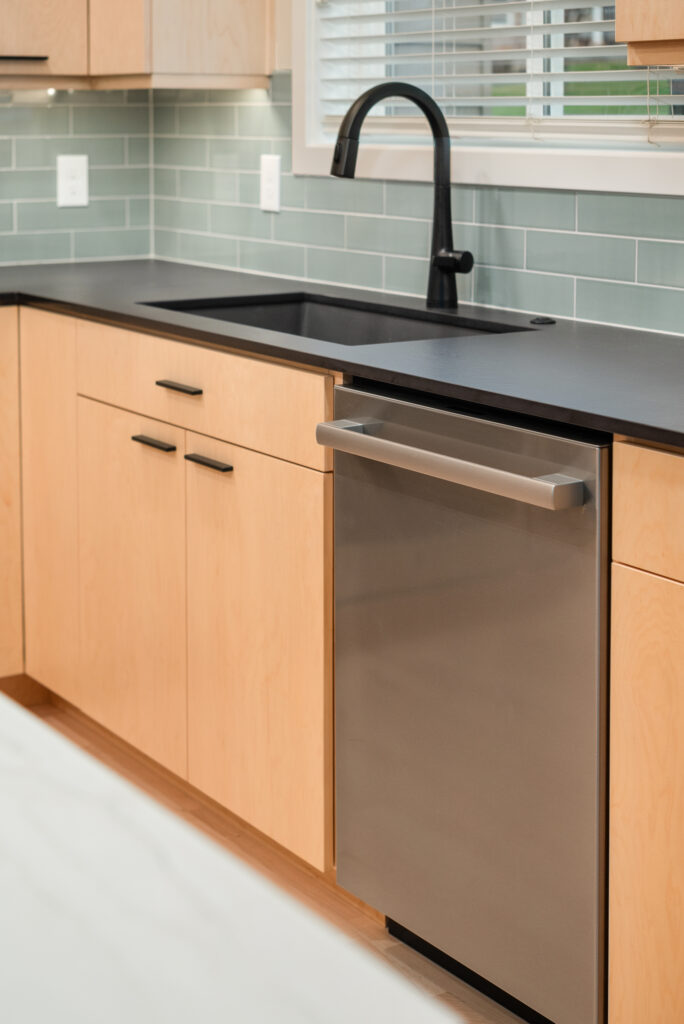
[44,37]
[654,31]
[142,43]
[172,42]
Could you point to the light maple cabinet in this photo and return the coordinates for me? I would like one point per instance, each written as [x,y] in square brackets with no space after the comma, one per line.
[11,624]
[654,31]
[49,493]
[185,606]
[131,569]
[259,642]
[646,842]
[170,42]
[97,44]
[44,37]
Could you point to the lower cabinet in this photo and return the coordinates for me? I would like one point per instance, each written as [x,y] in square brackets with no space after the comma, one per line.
[49,491]
[178,587]
[131,514]
[11,632]
[646,874]
[259,636]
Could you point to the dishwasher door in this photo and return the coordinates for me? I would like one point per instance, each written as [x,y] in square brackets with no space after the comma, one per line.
[470,691]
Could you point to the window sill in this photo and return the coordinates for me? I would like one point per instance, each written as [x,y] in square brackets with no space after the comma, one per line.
[649,172]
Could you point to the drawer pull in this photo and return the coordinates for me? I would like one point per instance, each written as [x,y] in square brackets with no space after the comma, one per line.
[152,442]
[12,56]
[185,389]
[202,460]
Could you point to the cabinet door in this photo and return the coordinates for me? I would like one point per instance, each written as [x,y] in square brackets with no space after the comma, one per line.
[132,580]
[646,880]
[636,21]
[11,638]
[259,643]
[48,37]
[120,37]
[210,37]
[48,422]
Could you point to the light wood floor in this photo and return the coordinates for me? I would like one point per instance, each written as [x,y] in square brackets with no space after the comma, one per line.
[359,922]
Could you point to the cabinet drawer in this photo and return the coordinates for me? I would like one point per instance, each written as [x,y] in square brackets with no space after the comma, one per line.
[254,403]
[648,509]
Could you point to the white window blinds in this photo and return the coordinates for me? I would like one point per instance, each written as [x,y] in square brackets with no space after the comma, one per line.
[497,66]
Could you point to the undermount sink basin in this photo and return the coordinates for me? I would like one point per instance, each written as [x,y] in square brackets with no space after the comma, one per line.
[338,320]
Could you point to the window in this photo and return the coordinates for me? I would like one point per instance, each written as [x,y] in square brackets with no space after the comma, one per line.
[530,74]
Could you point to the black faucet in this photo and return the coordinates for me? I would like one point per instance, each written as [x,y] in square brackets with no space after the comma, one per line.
[444,262]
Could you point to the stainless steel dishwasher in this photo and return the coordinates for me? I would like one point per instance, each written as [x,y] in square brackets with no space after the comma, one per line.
[470,620]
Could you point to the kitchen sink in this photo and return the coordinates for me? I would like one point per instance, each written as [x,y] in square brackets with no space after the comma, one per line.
[342,321]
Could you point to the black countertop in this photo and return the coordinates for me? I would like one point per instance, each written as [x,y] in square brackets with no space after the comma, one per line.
[586,375]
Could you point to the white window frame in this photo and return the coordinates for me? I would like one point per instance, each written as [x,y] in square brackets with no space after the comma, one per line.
[650,171]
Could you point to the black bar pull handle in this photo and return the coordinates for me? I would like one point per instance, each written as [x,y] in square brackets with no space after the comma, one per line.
[152,442]
[11,56]
[185,389]
[202,460]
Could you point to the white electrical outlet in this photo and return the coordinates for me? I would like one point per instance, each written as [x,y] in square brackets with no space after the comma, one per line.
[270,182]
[72,180]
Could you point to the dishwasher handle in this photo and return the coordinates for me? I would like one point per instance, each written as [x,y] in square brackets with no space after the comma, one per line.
[554,492]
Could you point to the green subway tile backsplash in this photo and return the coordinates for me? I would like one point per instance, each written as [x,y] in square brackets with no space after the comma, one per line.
[120,181]
[657,309]
[585,255]
[138,150]
[6,217]
[50,119]
[183,216]
[271,122]
[128,120]
[175,173]
[112,130]
[105,152]
[233,154]
[497,247]
[344,195]
[198,120]
[661,263]
[139,214]
[639,217]
[35,248]
[90,245]
[526,208]
[241,221]
[207,249]
[352,268]
[518,289]
[388,235]
[170,152]
[325,229]
[47,216]
[205,185]
[28,185]
[273,258]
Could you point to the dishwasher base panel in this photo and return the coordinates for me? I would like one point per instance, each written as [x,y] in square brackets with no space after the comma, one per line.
[458,969]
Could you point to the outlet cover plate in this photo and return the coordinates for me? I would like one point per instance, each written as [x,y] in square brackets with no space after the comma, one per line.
[72,180]
[270,182]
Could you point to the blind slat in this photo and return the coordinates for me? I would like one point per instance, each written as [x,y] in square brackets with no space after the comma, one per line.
[468,10]
[467,34]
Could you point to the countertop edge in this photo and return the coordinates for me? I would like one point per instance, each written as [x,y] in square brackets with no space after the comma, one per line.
[148,319]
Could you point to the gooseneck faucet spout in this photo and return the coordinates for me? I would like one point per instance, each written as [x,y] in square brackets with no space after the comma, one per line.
[444,262]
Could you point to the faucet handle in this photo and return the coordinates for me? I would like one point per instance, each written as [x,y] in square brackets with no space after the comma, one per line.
[456,262]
